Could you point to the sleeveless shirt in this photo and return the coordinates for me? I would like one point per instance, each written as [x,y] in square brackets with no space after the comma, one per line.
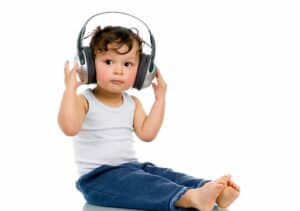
[105,137]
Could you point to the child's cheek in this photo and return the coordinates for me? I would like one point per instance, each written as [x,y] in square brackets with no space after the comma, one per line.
[102,79]
[131,79]
[101,82]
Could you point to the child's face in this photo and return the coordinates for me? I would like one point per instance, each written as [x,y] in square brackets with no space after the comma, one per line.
[116,72]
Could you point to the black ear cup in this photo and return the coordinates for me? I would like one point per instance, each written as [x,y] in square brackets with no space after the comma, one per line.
[90,66]
[142,70]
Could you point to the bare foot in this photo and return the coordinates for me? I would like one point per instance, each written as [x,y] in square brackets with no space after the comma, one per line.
[205,196]
[224,180]
[228,195]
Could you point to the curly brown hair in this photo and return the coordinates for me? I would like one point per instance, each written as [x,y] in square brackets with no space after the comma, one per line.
[114,35]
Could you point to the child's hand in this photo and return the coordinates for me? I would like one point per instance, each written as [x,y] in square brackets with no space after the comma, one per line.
[71,81]
[160,87]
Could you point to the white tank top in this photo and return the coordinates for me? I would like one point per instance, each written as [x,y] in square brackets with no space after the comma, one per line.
[106,134]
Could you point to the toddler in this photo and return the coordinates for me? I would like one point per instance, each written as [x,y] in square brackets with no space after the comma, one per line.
[102,120]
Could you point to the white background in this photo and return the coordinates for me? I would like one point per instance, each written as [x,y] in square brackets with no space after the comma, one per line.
[233,102]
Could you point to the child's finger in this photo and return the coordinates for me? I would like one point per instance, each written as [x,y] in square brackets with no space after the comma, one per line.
[81,75]
[160,79]
[74,69]
[158,73]
[154,86]
[66,67]
[75,66]
[159,76]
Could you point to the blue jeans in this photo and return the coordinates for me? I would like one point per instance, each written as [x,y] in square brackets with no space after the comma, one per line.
[136,185]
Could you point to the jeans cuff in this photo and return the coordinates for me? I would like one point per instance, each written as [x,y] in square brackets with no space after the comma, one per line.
[176,197]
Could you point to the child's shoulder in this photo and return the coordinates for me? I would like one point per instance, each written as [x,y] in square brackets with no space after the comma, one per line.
[83,99]
[136,100]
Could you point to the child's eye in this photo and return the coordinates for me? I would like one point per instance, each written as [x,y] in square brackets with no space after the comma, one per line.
[108,62]
[128,64]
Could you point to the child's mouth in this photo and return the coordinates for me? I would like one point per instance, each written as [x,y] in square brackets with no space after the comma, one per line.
[118,82]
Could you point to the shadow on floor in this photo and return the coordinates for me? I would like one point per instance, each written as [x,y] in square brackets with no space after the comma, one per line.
[89,207]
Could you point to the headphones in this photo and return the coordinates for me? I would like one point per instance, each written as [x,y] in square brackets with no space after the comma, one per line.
[146,69]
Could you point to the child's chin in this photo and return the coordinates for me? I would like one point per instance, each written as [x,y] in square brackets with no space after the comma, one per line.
[117,90]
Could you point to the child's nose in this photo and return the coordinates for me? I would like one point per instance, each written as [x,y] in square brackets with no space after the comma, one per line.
[118,70]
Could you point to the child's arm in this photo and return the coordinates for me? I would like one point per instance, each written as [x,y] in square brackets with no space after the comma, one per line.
[73,107]
[147,127]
